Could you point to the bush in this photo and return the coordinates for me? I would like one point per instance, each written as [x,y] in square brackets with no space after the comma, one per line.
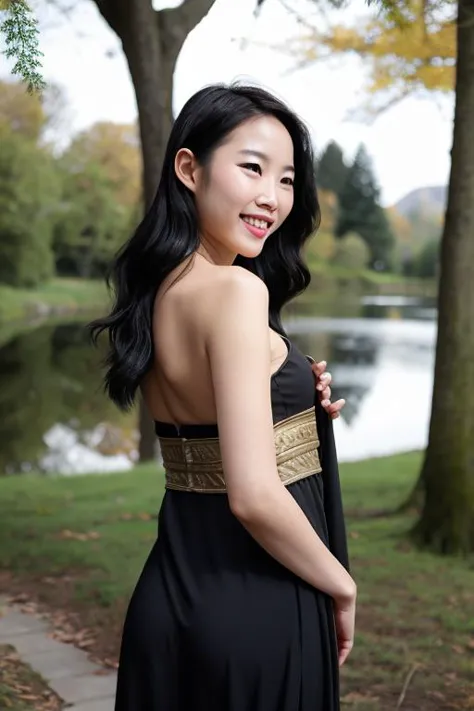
[351,252]
[427,262]
[322,246]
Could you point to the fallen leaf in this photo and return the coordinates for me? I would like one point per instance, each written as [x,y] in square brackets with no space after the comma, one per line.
[79,536]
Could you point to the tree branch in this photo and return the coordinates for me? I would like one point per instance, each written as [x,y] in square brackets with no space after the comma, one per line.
[176,23]
[111,14]
[300,19]
[190,13]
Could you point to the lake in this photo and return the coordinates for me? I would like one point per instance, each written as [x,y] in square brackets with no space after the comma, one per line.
[380,351]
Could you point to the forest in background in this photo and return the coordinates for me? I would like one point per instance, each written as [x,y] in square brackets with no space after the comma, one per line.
[65,211]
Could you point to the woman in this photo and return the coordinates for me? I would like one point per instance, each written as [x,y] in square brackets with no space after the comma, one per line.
[245,602]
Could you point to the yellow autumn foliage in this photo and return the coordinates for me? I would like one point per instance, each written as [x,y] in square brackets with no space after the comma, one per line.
[22,113]
[328,206]
[116,148]
[411,46]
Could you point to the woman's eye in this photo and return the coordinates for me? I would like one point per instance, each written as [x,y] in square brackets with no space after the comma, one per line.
[288,181]
[253,167]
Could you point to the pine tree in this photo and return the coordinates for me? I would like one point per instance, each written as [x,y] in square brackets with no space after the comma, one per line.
[360,211]
[331,170]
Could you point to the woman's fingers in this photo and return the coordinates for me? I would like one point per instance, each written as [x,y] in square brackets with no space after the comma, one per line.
[343,652]
[326,394]
[333,408]
[319,368]
[323,381]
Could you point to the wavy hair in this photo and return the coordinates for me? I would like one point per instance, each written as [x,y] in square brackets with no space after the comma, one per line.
[169,232]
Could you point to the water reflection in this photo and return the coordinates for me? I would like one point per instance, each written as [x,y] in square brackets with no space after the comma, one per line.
[384,370]
[48,375]
[379,351]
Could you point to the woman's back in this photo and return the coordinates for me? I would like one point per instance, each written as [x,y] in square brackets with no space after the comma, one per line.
[179,388]
[218,622]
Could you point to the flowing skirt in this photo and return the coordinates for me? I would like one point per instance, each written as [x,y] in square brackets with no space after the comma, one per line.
[216,624]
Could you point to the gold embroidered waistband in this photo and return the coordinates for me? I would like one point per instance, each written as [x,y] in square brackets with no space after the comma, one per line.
[196,464]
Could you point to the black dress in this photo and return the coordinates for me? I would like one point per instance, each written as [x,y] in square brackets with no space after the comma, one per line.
[215,623]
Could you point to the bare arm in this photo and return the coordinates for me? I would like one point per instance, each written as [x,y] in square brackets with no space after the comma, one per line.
[239,351]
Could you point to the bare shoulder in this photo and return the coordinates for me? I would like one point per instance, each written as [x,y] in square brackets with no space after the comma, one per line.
[235,288]
[235,300]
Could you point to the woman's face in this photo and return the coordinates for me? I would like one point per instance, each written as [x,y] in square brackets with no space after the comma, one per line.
[246,191]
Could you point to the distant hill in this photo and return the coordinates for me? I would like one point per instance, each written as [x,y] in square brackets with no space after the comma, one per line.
[427,202]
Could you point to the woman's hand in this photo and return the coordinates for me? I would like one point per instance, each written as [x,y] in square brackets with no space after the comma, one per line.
[323,381]
[344,616]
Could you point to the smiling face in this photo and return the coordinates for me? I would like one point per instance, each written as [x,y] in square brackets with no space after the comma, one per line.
[245,192]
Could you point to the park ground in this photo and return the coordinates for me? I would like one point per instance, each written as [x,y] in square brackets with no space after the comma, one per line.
[73,547]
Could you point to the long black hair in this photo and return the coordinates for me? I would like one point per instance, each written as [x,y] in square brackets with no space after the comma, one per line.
[169,232]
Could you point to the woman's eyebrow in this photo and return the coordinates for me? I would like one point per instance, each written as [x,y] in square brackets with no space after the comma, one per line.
[264,157]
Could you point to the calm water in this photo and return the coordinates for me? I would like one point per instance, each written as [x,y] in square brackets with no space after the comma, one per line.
[54,416]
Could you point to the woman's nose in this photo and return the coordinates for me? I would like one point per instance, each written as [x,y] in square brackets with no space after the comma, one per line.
[267,200]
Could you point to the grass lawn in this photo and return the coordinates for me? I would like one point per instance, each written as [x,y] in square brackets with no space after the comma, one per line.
[59,295]
[369,280]
[78,544]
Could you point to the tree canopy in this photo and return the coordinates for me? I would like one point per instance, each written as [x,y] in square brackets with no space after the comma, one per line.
[410,48]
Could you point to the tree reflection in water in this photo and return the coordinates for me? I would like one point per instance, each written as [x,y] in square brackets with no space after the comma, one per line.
[49,375]
[351,360]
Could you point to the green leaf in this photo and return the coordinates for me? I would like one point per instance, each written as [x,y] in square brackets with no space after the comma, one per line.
[20,29]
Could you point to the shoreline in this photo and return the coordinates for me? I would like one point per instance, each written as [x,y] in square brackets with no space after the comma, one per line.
[65,296]
[58,297]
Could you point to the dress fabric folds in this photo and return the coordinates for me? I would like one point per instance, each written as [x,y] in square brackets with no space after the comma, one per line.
[217,624]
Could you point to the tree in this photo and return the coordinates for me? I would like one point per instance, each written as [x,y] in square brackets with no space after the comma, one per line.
[359,211]
[101,193]
[427,262]
[152,40]
[29,196]
[446,483]
[410,47]
[442,57]
[351,252]
[116,148]
[447,478]
[92,223]
[322,244]
[37,117]
[20,112]
[331,169]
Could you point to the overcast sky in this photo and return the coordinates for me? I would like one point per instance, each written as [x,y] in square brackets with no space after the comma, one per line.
[409,144]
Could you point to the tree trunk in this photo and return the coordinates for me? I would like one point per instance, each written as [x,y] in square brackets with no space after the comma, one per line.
[152,41]
[447,519]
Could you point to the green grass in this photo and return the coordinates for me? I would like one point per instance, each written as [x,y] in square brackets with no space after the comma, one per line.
[57,296]
[415,610]
[36,512]
[385,282]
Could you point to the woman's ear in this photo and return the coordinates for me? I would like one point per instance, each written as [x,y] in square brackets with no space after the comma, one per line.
[186,166]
